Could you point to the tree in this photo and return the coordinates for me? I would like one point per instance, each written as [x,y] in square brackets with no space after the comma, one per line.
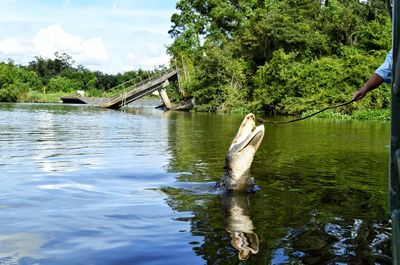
[15,82]
[49,68]
[269,44]
[63,84]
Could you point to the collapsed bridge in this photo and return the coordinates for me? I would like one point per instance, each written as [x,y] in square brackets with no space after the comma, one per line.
[134,90]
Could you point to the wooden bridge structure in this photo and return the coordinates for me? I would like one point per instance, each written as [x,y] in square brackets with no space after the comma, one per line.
[134,90]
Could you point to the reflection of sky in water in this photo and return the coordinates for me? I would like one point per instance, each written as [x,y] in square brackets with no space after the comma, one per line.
[18,246]
[82,178]
[56,142]
[85,187]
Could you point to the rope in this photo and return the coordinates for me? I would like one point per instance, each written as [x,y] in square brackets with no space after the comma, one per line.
[308,116]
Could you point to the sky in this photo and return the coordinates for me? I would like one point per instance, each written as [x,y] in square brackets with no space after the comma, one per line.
[111,36]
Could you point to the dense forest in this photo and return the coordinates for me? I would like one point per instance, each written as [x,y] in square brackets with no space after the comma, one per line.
[286,56]
[45,80]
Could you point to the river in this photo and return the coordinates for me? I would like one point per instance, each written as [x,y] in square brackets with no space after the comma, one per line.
[82,185]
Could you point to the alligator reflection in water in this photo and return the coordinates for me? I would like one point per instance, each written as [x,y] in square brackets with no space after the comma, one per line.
[239,224]
[223,220]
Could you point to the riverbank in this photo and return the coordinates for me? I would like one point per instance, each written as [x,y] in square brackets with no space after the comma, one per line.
[364,114]
[361,114]
[39,97]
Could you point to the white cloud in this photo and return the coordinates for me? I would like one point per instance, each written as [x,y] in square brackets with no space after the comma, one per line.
[146,58]
[54,39]
[93,52]
[97,34]
[90,52]
[15,47]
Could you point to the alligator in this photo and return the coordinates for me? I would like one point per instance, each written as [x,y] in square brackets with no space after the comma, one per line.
[240,155]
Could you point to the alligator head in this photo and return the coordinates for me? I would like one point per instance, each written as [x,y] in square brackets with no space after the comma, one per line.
[240,155]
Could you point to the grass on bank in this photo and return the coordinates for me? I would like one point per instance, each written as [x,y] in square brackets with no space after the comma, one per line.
[365,114]
[360,114]
[39,97]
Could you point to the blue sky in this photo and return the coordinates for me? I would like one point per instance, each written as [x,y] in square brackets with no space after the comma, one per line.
[107,35]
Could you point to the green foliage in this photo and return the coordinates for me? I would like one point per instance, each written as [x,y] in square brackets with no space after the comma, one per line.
[15,82]
[363,114]
[63,84]
[220,80]
[45,80]
[271,80]
[40,97]
[294,87]
[287,56]
[105,81]
[375,35]
[329,114]
[12,92]
[76,79]
[377,114]
[49,68]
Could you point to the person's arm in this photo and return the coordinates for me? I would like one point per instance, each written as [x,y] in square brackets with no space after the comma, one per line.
[382,74]
[373,82]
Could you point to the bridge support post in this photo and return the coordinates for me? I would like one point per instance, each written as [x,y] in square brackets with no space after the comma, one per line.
[164,97]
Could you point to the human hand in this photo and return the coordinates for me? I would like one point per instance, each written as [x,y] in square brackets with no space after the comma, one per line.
[359,94]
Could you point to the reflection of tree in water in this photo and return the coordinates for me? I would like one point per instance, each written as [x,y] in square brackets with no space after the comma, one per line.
[339,243]
[238,229]
[198,143]
[322,228]
[312,208]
